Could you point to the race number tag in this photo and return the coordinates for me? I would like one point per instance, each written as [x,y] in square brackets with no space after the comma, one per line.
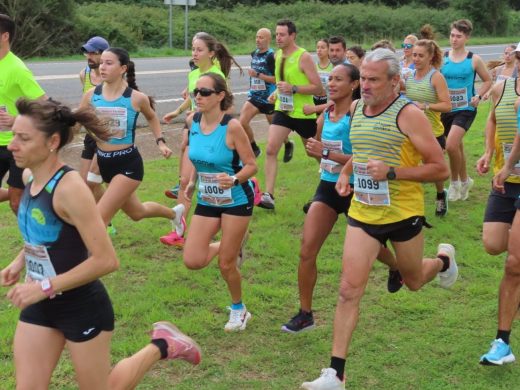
[117,120]
[286,102]
[368,190]
[459,97]
[257,84]
[210,191]
[507,152]
[38,264]
[329,165]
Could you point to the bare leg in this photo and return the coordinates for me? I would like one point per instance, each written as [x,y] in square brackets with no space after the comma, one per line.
[495,236]
[455,152]
[275,138]
[198,249]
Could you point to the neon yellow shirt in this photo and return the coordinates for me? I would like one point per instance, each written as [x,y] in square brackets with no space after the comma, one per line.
[193,77]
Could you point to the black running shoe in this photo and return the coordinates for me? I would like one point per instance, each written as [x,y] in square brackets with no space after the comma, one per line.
[300,322]
[395,281]
[288,151]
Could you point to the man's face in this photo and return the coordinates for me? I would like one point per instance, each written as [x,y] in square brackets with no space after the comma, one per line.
[376,86]
[337,53]
[93,59]
[283,38]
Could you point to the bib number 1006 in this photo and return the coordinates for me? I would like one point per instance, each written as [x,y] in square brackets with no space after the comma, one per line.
[213,190]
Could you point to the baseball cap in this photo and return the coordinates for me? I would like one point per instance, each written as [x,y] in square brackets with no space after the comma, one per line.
[517,47]
[95,45]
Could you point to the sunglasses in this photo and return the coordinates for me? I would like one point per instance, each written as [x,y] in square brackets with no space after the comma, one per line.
[205,92]
[406,45]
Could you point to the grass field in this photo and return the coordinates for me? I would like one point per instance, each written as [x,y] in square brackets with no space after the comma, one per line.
[431,339]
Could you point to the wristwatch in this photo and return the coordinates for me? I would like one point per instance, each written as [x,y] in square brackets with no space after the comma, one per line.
[325,153]
[294,89]
[257,74]
[47,288]
[157,140]
[235,180]
[390,175]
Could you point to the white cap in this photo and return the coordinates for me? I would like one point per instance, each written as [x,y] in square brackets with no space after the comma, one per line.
[517,47]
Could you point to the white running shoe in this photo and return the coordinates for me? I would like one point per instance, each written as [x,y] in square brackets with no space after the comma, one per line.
[237,320]
[448,277]
[266,201]
[327,381]
[465,186]
[179,222]
[454,191]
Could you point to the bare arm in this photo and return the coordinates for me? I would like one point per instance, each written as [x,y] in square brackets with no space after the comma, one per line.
[443,96]
[483,73]
[237,139]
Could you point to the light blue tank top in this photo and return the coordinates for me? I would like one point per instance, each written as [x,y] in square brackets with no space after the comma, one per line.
[335,136]
[122,117]
[210,156]
[460,77]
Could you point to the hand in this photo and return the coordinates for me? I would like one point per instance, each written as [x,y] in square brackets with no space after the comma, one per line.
[483,164]
[188,192]
[6,120]
[486,95]
[25,294]
[252,72]
[185,93]
[272,98]
[343,186]
[171,115]
[475,100]
[11,274]
[309,109]
[313,148]
[224,181]
[165,150]
[284,87]
[377,169]
[500,178]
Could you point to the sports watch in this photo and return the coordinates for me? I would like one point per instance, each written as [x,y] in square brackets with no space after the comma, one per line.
[235,180]
[390,175]
[47,288]
[325,153]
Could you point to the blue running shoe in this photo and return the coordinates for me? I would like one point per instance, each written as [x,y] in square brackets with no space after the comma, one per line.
[499,354]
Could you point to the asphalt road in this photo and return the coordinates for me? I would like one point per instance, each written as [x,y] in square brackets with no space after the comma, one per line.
[163,78]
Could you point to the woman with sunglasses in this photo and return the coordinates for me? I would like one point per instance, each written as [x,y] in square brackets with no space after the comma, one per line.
[66,251]
[407,64]
[209,55]
[120,102]
[428,89]
[224,161]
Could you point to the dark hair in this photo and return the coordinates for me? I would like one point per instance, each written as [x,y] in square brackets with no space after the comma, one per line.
[324,40]
[427,32]
[353,73]
[357,50]
[338,39]
[222,53]
[220,85]
[7,26]
[463,25]
[383,44]
[124,59]
[50,117]
[291,27]
[433,49]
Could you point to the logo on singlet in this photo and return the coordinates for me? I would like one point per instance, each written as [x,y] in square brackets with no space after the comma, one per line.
[38,216]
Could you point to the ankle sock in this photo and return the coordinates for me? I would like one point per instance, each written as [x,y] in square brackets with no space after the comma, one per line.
[237,306]
[339,365]
[445,262]
[504,335]
[163,347]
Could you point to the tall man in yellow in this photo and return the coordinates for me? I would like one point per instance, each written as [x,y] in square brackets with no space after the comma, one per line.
[297,80]
[393,152]
[16,81]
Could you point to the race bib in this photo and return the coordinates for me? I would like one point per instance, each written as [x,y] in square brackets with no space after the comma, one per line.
[38,264]
[459,97]
[367,190]
[210,191]
[506,148]
[257,84]
[117,120]
[286,102]
[329,165]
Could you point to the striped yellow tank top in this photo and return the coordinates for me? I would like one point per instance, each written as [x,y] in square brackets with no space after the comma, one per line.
[506,127]
[379,138]
[423,91]
[88,82]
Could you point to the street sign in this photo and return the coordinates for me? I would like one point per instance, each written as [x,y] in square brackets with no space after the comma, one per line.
[185,3]
[191,3]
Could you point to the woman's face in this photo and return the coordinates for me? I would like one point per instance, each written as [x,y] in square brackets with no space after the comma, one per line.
[322,50]
[205,86]
[200,53]
[407,47]
[340,85]
[354,59]
[110,68]
[509,55]
[421,58]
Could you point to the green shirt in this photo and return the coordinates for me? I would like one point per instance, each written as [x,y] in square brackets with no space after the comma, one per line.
[194,76]
[16,81]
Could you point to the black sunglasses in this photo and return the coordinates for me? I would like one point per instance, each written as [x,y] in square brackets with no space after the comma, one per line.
[205,92]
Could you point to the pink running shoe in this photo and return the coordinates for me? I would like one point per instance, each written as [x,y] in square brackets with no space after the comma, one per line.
[180,346]
[256,191]
[173,239]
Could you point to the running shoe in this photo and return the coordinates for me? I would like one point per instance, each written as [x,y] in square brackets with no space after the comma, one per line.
[111,229]
[327,381]
[300,322]
[288,151]
[256,191]
[266,201]
[237,320]
[307,206]
[465,186]
[499,354]
[454,191]
[395,281]
[448,277]
[172,193]
[180,346]
[173,239]
[441,205]
[179,222]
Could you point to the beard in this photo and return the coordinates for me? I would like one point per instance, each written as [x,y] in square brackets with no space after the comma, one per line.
[93,65]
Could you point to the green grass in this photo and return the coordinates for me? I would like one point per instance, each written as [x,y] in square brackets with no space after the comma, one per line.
[431,339]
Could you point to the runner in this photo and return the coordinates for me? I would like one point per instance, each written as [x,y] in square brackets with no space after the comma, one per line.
[501,219]
[332,145]
[63,301]
[209,55]
[427,88]
[323,66]
[224,162]
[119,101]
[407,63]
[296,81]
[16,81]
[459,69]
[355,55]
[388,199]
[508,70]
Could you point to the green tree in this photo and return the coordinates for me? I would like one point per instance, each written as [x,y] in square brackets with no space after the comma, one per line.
[489,16]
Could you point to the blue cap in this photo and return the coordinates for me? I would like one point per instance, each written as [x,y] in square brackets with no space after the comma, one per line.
[95,45]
